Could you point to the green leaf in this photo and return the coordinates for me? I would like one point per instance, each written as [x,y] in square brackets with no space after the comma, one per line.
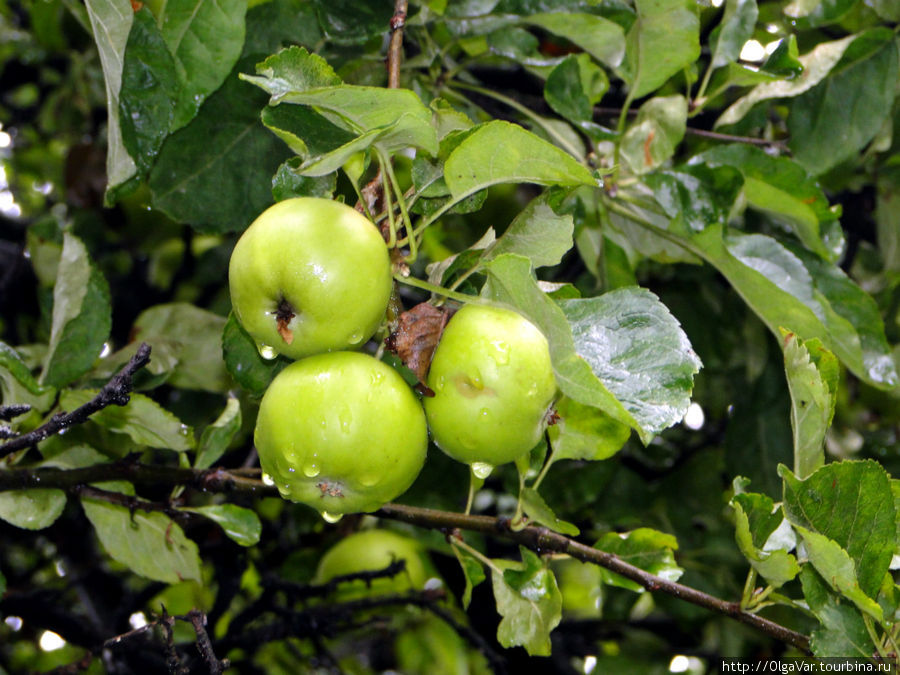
[698,195]
[510,282]
[240,524]
[217,436]
[784,60]
[843,632]
[142,419]
[836,567]
[528,601]
[601,38]
[851,504]
[202,176]
[149,91]
[82,316]
[639,351]
[205,37]
[586,433]
[289,182]
[111,23]
[755,519]
[32,509]
[887,9]
[867,72]
[190,333]
[305,131]
[656,133]
[539,511]
[813,374]
[500,152]
[663,40]
[150,544]
[20,372]
[574,86]
[806,14]
[781,188]
[349,22]
[473,573]
[243,361]
[293,69]
[733,31]
[816,65]
[648,549]
[538,232]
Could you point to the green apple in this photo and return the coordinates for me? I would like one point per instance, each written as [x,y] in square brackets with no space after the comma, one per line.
[310,275]
[372,550]
[341,432]
[493,384]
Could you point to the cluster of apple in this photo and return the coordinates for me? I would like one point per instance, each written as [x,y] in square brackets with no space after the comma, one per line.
[340,430]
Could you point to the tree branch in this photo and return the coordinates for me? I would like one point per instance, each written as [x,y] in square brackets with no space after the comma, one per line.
[536,538]
[115,392]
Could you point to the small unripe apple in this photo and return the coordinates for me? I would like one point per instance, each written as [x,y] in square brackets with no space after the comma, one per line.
[310,275]
[493,384]
[373,550]
[341,432]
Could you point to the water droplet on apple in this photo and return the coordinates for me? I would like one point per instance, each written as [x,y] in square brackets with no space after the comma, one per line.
[482,469]
[485,413]
[500,352]
[346,418]
[331,517]
[268,480]
[355,337]
[311,470]
[285,491]
[265,351]
[368,480]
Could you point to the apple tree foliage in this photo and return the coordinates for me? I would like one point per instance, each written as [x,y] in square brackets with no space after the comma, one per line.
[697,204]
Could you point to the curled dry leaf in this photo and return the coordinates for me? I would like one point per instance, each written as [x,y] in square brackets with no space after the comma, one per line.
[416,338]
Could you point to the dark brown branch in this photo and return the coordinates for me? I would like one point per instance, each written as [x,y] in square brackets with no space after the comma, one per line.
[131,503]
[204,645]
[535,538]
[115,392]
[542,539]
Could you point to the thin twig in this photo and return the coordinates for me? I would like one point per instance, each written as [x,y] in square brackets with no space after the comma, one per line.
[204,646]
[115,392]
[398,21]
[131,503]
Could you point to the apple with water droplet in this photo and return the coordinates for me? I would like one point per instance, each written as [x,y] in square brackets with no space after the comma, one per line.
[341,432]
[493,385]
[310,275]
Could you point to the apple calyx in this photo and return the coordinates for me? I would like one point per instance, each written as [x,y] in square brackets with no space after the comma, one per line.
[283,316]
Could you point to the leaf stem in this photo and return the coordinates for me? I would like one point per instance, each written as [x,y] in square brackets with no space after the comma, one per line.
[438,290]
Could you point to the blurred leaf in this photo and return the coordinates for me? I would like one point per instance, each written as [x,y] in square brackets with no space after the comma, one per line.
[82,316]
[16,367]
[817,63]
[473,573]
[142,419]
[784,61]
[191,333]
[149,91]
[664,38]
[500,152]
[639,351]
[539,511]
[32,509]
[289,182]
[601,38]
[110,23]
[813,374]
[216,172]
[781,188]
[843,632]
[150,544]
[242,359]
[736,27]
[755,519]
[645,548]
[205,37]
[217,436]
[574,86]
[887,9]
[352,21]
[585,433]
[866,72]
[862,537]
[240,524]
[807,15]
[528,601]
[653,137]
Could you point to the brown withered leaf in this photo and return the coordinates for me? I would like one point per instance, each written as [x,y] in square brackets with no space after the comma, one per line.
[416,338]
